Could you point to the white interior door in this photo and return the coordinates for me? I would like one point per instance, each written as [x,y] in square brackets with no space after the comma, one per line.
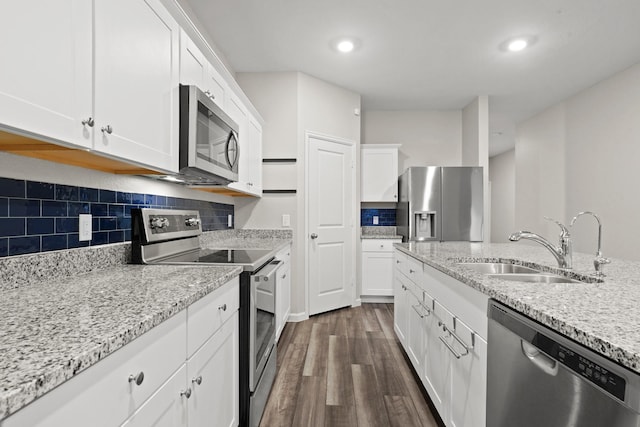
[330,219]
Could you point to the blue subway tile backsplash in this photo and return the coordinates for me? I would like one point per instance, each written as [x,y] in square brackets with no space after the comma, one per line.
[386,217]
[40,216]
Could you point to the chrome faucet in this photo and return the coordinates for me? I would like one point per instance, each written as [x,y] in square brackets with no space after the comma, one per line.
[562,253]
[599,260]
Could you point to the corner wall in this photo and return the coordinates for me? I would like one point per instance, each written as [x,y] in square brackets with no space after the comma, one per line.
[502,175]
[582,154]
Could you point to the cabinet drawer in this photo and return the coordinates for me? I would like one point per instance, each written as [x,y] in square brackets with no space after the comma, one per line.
[285,256]
[205,316]
[400,262]
[103,395]
[378,245]
[414,270]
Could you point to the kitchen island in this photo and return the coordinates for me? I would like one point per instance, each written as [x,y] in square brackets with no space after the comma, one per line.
[602,316]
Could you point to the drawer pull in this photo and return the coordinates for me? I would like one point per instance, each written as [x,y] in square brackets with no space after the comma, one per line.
[382,246]
[397,261]
[186,393]
[197,380]
[223,307]
[137,378]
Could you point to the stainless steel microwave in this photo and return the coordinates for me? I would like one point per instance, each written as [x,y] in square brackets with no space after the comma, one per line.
[209,146]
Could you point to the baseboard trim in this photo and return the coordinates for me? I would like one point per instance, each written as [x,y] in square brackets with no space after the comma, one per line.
[297,317]
[376,299]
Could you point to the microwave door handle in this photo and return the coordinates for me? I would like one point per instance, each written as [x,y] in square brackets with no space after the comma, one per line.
[232,136]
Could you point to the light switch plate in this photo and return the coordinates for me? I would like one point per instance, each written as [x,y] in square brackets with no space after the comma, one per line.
[84,227]
[286,220]
[376,220]
[230,221]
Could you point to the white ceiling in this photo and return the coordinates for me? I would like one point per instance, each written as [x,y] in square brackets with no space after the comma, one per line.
[434,54]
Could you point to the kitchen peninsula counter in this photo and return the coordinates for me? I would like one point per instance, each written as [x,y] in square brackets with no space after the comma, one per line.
[602,316]
[52,330]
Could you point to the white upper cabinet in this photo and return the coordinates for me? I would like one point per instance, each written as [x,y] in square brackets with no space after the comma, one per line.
[45,77]
[196,70]
[101,75]
[136,82]
[379,173]
[250,143]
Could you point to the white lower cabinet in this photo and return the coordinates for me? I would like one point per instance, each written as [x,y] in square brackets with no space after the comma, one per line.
[445,339]
[150,381]
[164,409]
[400,306]
[377,266]
[283,290]
[212,379]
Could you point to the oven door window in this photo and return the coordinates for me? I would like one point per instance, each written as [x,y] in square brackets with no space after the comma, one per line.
[216,143]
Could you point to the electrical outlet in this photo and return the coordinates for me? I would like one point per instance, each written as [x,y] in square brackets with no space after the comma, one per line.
[230,221]
[286,220]
[376,220]
[84,227]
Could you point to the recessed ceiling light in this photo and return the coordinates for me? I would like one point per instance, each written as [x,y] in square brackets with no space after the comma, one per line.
[517,44]
[345,44]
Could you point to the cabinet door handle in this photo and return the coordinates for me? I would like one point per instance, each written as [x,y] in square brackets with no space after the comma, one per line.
[197,380]
[314,236]
[88,122]
[186,393]
[411,271]
[397,261]
[107,129]
[284,276]
[451,349]
[137,379]
[222,307]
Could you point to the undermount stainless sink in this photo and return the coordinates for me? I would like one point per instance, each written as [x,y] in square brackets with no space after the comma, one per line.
[534,278]
[497,267]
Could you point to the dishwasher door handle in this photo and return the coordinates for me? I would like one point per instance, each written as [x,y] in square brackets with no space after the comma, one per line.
[546,364]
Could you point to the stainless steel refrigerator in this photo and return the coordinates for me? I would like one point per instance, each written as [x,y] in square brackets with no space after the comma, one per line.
[440,204]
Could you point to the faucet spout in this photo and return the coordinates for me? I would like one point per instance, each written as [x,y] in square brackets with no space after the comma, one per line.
[562,254]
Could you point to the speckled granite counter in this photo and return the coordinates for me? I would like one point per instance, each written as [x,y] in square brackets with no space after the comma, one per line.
[379,232]
[52,330]
[603,316]
[246,239]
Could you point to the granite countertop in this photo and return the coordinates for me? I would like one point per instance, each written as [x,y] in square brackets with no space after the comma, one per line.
[379,232]
[52,330]
[63,311]
[602,316]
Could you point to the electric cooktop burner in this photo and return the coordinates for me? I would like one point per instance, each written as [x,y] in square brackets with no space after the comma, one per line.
[223,256]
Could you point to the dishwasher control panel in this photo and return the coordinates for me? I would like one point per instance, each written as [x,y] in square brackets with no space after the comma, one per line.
[598,375]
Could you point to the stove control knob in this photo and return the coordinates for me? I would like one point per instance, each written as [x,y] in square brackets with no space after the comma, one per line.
[159,222]
[192,222]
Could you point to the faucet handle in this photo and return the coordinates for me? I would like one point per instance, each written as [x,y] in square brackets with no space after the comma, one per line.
[598,262]
[565,230]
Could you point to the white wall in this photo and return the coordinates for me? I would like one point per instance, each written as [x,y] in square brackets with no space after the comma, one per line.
[502,175]
[540,173]
[475,149]
[292,103]
[428,138]
[603,164]
[582,154]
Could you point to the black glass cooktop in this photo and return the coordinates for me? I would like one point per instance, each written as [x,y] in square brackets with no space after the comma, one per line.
[253,258]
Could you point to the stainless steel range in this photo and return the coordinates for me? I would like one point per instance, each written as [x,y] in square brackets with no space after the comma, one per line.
[172,237]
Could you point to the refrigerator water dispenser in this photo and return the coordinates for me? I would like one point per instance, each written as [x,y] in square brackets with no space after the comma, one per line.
[425,228]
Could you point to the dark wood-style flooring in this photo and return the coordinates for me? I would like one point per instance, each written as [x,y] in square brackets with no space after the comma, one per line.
[345,368]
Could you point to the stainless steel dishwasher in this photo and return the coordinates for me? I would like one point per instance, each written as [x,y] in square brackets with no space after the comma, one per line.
[539,378]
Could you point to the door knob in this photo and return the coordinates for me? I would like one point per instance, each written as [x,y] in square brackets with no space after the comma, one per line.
[314,236]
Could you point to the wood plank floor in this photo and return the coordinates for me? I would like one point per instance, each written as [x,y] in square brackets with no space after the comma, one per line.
[345,368]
